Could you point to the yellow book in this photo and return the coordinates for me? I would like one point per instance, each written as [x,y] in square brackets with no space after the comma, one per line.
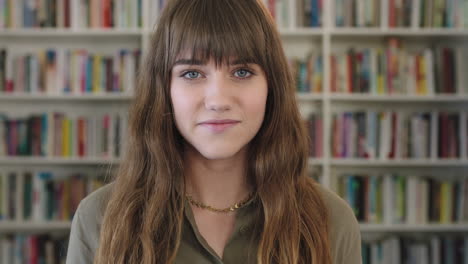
[422,87]
[97,73]
[318,82]
[65,136]
[444,206]
[66,200]
[71,136]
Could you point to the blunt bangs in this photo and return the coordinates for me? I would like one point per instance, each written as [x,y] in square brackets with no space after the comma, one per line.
[220,36]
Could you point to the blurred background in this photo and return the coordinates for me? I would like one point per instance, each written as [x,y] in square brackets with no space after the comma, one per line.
[382,87]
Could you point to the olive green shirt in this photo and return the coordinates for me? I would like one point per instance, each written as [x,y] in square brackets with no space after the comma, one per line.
[84,237]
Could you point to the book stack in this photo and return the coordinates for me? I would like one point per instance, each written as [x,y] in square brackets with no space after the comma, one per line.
[21,248]
[399,250]
[395,70]
[308,73]
[70,13]
[392,198]
[397,135]
[66,71]
[401,13]
[38,196]
[314,126]
[57,134]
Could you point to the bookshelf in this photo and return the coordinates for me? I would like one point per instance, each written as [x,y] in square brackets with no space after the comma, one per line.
[325,39]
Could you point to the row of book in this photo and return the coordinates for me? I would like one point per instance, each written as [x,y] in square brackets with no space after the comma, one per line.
[37,196]
[430,250]
[68,71]
[397,70]
[287,13]
[400,135]
[401,13]
[57,134]
[314,124]
[393,198]
[69,13]
[297,13]
[308,73]
[37,248]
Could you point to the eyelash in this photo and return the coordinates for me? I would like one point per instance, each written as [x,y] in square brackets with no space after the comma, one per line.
[250,72]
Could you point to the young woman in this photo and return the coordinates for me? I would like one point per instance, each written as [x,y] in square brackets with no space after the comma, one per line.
[216,164]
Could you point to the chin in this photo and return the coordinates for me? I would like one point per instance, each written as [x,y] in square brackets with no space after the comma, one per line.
[218,153]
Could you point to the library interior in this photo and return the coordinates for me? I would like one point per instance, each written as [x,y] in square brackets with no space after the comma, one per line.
[382,86]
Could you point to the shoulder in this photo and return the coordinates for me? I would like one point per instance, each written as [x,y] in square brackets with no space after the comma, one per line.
[95,203]
[345,235]
[86,226]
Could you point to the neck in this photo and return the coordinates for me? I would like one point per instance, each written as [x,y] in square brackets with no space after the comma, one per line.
[218,183]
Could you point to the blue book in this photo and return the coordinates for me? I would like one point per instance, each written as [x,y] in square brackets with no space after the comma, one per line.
[89,73]
[339,14]
[315,15]
[67,88]
[449,250]
[44,133]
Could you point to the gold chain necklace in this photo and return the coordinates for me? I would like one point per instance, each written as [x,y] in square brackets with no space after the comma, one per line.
[225,210]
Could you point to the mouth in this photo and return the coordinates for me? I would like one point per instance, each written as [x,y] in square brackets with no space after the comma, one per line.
[219,126]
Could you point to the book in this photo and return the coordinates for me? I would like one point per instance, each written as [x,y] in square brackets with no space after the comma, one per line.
[57,134]
[395,198]
[69,72]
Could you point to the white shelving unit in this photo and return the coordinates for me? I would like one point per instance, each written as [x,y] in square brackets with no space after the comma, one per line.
[297,42]
[34,227]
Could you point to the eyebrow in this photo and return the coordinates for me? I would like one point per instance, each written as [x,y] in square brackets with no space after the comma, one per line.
[199,62]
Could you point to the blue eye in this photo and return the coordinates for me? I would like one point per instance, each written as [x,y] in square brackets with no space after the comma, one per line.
[243,73]
[191,75]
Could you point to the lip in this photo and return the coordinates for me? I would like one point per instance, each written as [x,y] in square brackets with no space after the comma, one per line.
[217,125]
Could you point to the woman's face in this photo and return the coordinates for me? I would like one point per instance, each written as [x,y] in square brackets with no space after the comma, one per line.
[218,110]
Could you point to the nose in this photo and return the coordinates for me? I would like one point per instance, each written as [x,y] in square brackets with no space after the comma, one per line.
[217,94]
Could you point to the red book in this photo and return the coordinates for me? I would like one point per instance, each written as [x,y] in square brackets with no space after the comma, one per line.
[357,72]
[66,12]
[81,132]
[349,79]
[391,13]
[106,13]
[34,250]
[419,76]
[83,57]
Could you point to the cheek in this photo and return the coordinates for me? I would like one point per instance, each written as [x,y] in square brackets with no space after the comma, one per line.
[181,105]
[256,102]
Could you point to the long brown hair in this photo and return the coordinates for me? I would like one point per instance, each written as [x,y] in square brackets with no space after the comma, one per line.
[144,216]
